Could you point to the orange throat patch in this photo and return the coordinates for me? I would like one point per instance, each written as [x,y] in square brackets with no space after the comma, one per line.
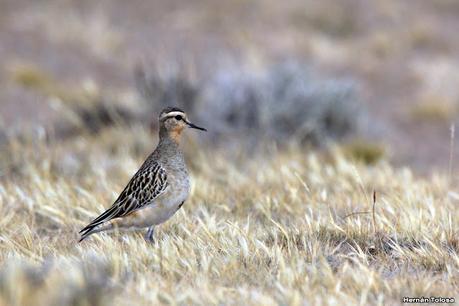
[176,133]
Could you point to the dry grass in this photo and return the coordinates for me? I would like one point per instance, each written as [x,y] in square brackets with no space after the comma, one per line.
[258,231]
[435,109]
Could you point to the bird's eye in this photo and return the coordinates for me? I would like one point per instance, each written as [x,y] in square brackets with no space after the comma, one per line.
[178,117]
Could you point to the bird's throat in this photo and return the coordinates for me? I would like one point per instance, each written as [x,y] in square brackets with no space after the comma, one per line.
[175,135]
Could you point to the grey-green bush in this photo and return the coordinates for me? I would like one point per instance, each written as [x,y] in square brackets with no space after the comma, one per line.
[285,101]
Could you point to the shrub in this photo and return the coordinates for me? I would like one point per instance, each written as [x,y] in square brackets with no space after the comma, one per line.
[284,102]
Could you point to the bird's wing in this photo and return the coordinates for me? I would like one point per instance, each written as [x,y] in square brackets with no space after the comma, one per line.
[144,187]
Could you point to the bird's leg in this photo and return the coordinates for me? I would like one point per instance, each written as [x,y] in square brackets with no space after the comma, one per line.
[149,234]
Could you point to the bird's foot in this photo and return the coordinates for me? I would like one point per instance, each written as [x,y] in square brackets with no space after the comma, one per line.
[149,234]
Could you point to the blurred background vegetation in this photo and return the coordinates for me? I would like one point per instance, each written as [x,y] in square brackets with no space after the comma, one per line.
[310,106]
[382,74]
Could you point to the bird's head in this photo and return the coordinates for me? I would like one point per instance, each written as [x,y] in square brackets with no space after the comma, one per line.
[172,122]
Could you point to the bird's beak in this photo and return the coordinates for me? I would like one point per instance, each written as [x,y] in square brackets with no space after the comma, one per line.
[193,126]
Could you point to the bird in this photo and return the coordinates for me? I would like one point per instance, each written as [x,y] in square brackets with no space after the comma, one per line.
[157,190]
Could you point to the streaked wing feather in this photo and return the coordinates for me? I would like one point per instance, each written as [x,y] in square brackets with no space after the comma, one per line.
[144,187]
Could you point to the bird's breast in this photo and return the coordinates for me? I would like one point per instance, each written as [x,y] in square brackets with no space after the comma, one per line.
[179,188]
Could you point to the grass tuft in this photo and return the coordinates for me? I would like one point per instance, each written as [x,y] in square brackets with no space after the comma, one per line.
[435,109]
[364,151]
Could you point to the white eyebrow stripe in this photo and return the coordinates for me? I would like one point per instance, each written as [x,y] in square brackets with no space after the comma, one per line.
[172,114]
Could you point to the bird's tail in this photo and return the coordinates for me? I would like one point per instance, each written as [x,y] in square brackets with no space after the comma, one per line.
[96,225]
[84,236]
[86,232]
[89,230]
